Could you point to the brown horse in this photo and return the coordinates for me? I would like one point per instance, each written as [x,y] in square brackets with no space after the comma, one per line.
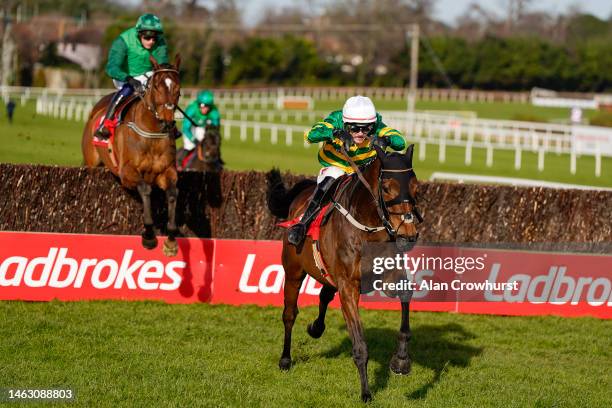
[143,151]
[383,194]
[207,152]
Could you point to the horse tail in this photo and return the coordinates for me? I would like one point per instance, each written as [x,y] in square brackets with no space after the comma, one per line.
[279,199]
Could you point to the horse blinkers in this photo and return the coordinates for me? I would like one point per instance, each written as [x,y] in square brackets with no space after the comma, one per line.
[402,173]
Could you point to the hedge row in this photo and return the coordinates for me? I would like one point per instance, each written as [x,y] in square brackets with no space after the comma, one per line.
[80,200]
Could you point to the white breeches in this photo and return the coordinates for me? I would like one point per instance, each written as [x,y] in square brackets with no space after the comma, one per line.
[143,79]
[331,171]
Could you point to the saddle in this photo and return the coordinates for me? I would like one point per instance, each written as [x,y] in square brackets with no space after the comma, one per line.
[325,211]
[112,123]
[314,230]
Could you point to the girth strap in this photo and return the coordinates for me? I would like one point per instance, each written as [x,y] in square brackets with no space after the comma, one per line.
[147,134]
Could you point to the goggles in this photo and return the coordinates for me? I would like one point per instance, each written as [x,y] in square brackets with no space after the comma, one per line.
[366,128]
[149,35]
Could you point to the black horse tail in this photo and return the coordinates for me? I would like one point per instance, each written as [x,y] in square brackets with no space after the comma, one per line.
[279,199]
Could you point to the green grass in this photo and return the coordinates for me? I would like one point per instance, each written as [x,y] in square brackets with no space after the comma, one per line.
[44,140]
[153,354]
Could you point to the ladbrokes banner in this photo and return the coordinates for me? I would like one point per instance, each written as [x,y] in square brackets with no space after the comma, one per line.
[37,266]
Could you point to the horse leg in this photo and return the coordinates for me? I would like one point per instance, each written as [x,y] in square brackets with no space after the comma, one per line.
[293,282]
[149,240]
[349,298]
[317,327]
[400,362]
[170,245]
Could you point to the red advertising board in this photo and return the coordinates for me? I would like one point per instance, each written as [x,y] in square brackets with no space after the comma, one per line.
[37,266]
[42,266]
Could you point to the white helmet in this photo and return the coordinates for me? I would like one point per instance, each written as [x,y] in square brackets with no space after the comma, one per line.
[359,109]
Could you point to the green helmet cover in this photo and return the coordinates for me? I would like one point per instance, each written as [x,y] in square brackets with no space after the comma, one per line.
[206,97]
[149,22]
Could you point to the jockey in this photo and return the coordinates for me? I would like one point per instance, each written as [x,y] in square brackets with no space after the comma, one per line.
[351,127]
[204,113]
[128,62]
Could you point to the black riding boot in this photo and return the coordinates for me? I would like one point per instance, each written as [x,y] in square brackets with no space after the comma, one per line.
[297,233]
[102,133]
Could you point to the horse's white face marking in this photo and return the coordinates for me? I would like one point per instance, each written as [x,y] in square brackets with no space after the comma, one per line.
[169,83]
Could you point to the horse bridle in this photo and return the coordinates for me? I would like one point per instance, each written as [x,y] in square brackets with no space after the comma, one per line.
[404,196]
[381,204]
[152,107]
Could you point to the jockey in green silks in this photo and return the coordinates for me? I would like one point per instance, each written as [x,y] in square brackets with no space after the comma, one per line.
[351,127]
[204,113]
[128,61]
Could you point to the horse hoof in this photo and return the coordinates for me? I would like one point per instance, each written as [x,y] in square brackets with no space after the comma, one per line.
[149,243]
[315,330]
[366,396]
[400,366]
[284,363]
[170,248]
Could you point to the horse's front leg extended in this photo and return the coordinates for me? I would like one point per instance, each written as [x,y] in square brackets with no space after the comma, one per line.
[400,362]
[170,246]
[149,240]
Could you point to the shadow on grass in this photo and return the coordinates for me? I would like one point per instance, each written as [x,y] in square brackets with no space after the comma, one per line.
[433,347]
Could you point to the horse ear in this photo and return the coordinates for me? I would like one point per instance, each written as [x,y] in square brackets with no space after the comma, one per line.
[153,62]
[409,153]
[177,61]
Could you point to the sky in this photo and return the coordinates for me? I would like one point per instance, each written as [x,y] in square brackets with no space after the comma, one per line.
[448,10]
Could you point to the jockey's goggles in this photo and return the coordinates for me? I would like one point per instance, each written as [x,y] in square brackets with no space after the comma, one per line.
[149,35]
[203,105]
[366,128]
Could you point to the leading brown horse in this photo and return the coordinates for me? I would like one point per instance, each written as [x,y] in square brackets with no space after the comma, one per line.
[382,196]
[142,152]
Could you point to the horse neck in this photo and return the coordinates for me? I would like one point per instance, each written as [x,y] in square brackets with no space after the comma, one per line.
[361,198]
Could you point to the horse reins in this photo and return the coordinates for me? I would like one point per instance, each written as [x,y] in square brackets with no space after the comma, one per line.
[379,202]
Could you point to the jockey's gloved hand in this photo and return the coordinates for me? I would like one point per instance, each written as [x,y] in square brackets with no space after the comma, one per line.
[134,83]
[381,142]
[343,135]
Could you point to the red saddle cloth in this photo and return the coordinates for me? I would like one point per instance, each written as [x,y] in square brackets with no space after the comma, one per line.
[187,159]
[111,125]
[315,226]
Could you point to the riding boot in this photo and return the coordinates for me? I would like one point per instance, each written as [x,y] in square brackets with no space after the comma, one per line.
[297,232]
[102,133]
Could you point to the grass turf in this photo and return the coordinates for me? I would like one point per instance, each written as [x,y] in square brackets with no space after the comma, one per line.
[44,140]
[152,354]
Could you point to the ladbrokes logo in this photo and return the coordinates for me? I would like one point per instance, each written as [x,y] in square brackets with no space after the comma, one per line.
[556,287]
[271,279]
[57,270]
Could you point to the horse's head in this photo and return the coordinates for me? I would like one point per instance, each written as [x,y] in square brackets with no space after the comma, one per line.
[209,149]
[163,91]
[397,189]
